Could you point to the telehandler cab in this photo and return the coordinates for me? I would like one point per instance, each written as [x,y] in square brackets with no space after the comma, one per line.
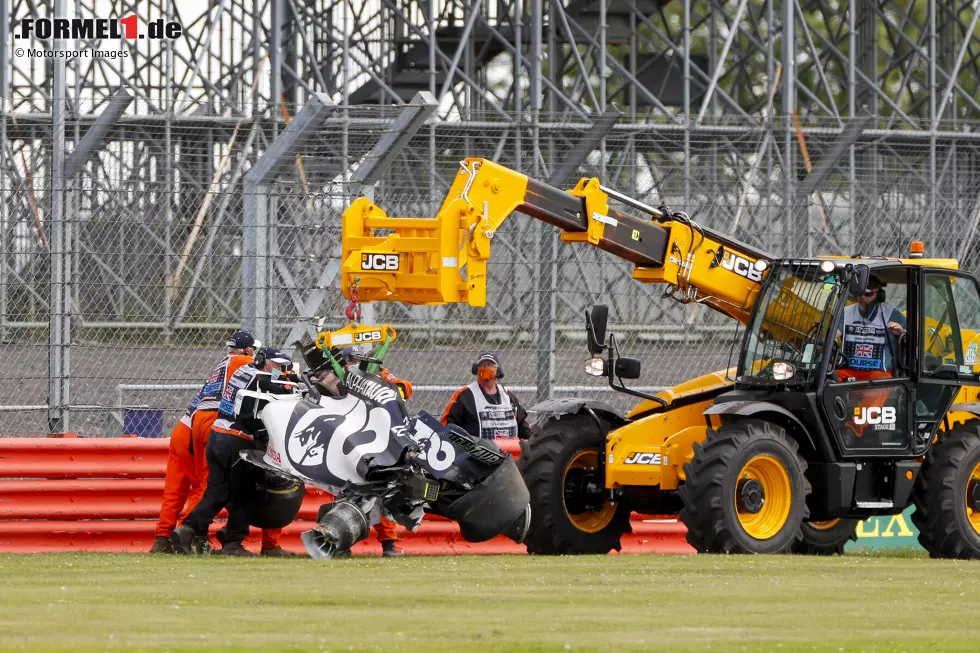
[855,392]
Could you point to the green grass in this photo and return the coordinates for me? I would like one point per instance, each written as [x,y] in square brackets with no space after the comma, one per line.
[92,602]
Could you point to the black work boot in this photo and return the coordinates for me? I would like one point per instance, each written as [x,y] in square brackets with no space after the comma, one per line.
[277,552]
[236,549]
[388,549]
[162,544]
[183,538]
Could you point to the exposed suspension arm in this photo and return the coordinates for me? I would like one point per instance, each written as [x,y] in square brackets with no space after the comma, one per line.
[443,259]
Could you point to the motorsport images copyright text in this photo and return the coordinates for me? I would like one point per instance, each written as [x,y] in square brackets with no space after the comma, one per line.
[83,53]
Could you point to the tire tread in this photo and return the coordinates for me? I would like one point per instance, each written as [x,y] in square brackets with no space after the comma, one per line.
[704,493]
[543,453]
[934,495]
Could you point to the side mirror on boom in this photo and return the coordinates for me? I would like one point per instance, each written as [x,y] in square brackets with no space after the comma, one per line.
[627,368]
[615,366]
[595,328]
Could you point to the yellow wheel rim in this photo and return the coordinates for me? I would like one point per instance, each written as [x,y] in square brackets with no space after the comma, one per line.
[772,516]
[823,525]
[971,485]
[589,521]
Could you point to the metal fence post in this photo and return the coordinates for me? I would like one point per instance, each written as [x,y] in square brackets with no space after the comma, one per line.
[5,279]
[393,141]
[256,266]
[59,335]
[255,253]
[792,235]
[547,254]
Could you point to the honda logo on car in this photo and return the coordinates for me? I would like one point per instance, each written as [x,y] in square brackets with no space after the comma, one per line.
[881,417]
[386,262]
[644,458]
[741,266]
[273,454]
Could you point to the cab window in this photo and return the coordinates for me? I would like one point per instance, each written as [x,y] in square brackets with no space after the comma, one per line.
[951,329]
[872,329]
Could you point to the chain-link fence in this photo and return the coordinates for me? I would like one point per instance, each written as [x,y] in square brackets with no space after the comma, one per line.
[168,244]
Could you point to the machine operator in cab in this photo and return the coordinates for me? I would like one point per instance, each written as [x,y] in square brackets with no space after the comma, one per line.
[870,330]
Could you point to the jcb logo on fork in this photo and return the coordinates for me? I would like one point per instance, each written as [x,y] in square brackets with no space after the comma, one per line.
[387,262]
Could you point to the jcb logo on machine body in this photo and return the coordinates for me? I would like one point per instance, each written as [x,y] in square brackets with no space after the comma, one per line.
[643,458]
[386,262]
[882,418]
[741,266]
[367,336]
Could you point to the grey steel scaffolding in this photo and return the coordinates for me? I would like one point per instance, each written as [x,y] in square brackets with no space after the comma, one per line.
[156,193]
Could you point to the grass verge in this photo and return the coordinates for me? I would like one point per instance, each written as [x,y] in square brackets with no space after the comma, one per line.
[100,602]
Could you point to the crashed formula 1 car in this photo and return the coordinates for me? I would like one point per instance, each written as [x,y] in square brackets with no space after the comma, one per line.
[363,446]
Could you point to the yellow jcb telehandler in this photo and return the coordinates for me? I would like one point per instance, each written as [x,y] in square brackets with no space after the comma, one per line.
[855,392]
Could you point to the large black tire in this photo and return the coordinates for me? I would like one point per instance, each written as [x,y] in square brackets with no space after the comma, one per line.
[947,518]
[276,502]
[558,525]
[719,494]
[826,538]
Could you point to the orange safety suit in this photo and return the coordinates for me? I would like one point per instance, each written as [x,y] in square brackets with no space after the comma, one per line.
[187,464]
[177,486]
[404,387]
[385,530]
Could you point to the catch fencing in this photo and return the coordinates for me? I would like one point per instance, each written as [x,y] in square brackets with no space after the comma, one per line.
[124,268]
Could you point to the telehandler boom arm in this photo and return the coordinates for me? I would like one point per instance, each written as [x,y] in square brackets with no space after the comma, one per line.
[444,259]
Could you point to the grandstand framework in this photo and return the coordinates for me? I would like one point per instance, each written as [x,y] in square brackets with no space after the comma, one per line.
[153,200]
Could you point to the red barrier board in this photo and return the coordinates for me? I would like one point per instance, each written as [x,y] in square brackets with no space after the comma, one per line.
[104,494]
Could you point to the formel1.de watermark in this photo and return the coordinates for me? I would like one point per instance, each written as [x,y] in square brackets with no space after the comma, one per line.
[39,36]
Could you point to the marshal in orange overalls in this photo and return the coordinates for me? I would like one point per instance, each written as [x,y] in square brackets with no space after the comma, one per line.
[187,465]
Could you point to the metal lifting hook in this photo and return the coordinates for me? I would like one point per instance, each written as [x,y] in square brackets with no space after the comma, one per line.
[353,310]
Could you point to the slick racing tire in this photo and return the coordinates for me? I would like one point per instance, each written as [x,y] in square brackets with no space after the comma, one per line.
[570,510]
[277,502]
[745,491]
[947,495]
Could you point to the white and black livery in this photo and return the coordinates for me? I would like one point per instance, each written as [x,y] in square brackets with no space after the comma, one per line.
[365,449]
